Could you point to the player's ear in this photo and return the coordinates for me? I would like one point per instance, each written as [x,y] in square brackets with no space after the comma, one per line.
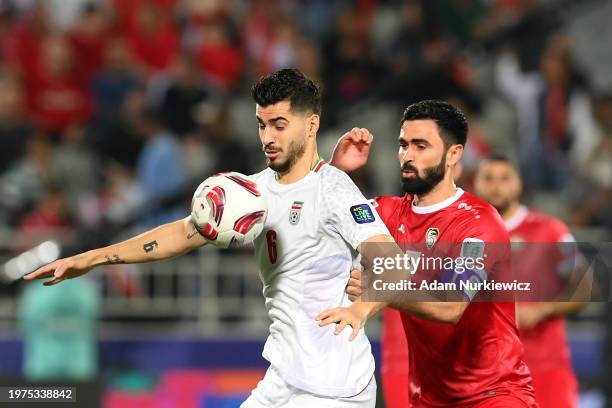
[313,124]
[454,153]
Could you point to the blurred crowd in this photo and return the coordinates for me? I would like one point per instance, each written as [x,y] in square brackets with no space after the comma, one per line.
[111,112]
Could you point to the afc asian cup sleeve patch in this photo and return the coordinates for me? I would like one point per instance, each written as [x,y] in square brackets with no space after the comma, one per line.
[362,214]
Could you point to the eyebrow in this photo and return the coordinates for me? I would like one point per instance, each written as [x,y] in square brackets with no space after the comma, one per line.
[273,120]
[415,140]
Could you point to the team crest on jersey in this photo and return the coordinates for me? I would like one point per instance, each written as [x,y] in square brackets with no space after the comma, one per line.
[294,213]
[431,237]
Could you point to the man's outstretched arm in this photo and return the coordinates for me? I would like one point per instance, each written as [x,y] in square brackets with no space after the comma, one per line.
[166,241]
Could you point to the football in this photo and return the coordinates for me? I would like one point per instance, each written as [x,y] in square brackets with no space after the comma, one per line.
[228,210]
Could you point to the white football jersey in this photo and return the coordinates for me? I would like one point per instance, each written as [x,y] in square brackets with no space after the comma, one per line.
[305,254]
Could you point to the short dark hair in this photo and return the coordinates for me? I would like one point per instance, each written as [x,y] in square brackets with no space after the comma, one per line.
[498,157]
[288,85]
[451,122]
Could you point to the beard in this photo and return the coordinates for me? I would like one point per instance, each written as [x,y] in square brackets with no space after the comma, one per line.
[295,151]
[502,206]
[422,185]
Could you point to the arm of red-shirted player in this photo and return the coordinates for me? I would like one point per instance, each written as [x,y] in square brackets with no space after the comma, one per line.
[359,312]
[579,286]
[166,241]
[352,150]
[529,315]
[447,312]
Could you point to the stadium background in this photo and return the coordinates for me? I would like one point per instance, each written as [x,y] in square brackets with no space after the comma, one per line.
[112,112]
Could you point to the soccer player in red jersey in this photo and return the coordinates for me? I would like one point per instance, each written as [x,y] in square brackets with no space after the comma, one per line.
[541,324]
[462,354]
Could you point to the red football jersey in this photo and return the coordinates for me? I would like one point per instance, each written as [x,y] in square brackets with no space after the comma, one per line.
[546,349]
[480,357]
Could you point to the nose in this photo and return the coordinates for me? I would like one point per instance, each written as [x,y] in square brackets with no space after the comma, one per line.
[266,136]
[405,157]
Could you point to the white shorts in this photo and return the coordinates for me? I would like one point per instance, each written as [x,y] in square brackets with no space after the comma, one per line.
[273,392]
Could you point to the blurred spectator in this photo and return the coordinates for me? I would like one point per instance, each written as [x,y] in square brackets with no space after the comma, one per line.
[152,37]
[23,45]
[459,18]
[220,56]
[180,99]
[51,213]
[257,33]
[14,129]
[160,172]
[307,58]
[57,91]
[7,17]
[407,48]
[25,183]
[90,37]
[228,153]
[115,133]
[544,102]
[280,48]
[65,14]
[594,167]
[78,168]
[529,34]
[120,197]
[478,146]
[59,331]
[127,11]
[114,82]
[351,72]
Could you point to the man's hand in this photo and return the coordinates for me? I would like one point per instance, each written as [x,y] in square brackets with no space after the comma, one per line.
[355,316]
[62,269]
[352,150]
[353,288]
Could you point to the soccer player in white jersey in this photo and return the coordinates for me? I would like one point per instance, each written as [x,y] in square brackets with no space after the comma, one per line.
[317,222]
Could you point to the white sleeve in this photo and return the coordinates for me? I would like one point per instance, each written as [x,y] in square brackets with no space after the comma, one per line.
[346,211]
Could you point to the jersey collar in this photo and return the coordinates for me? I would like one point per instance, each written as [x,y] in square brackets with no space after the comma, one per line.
[517,219]
[428,209]
[317,166]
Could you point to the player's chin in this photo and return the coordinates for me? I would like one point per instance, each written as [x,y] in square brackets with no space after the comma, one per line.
[498,203]
[277,164]
[409,179]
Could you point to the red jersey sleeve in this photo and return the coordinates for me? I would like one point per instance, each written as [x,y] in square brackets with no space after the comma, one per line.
[568,258]
[389,208]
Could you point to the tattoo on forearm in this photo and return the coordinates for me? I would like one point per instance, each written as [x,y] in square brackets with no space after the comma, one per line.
[150,246]
[193,233]
[114,259]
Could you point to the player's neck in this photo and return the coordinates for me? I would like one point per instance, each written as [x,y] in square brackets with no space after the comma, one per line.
[511,211]
[301,168]
[445,189]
